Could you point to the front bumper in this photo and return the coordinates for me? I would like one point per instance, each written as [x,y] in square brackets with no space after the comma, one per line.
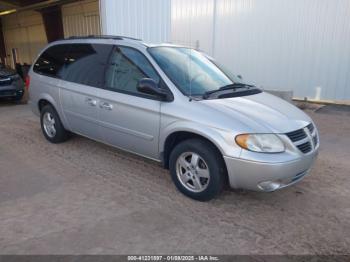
[11,91]
[264,176]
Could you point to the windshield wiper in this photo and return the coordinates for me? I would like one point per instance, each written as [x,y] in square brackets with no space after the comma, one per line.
[233,87]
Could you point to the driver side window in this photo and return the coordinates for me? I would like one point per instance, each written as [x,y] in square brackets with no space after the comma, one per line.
[125,68]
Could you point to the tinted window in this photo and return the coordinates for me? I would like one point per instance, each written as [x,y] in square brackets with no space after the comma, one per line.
[51,62]
[85,63]
[126,67]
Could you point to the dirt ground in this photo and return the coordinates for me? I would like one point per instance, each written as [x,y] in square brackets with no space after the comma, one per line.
[82,197]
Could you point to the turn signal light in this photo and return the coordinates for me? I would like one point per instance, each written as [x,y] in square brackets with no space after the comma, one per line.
[242,140]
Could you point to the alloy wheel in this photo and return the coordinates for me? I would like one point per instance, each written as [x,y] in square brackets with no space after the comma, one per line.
[192,172]
[49,124]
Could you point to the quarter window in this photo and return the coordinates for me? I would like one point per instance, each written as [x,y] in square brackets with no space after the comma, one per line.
[126,67]
[78,63]
[51,62]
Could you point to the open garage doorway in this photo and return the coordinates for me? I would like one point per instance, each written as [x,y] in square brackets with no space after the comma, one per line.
[26,30]
[26,26]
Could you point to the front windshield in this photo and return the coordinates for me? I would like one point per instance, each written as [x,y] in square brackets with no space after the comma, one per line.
[191,71]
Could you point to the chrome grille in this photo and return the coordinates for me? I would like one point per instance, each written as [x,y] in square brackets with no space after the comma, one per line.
[313,133]
[305,147]
[7,93]
[304,139]
[311,128]
[315,139]
[297,135]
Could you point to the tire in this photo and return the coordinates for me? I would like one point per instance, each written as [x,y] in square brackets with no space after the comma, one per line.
[17,99]
[209,164]
[56,135]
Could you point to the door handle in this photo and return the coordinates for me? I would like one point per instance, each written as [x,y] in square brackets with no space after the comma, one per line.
[91,101]
[106,106]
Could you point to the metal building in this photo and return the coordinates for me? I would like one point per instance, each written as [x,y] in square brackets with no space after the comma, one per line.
[24,30]
[297,45]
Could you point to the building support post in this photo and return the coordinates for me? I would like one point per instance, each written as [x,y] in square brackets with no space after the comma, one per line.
[52,18]
[2,45]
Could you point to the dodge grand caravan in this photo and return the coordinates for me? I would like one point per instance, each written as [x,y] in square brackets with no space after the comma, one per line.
[174,105]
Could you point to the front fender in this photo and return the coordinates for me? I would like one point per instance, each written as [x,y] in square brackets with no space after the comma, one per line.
[224,140]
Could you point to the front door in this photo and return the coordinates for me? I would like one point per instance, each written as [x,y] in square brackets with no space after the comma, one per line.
[128,118]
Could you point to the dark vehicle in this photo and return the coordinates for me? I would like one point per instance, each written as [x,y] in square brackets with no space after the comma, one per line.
[11,84]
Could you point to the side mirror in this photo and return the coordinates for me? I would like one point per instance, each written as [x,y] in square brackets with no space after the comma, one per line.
[150,87]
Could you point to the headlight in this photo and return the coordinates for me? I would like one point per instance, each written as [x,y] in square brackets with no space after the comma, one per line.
[264,143]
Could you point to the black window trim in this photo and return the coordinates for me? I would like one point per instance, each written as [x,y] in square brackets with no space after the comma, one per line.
[103,86]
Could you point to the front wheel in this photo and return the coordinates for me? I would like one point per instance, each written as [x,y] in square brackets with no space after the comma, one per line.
[197,169]
[17,99]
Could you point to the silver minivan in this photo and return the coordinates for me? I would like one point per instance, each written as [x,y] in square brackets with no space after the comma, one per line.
[174,105]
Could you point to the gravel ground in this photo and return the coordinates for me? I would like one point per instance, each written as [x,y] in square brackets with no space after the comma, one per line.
[82,197]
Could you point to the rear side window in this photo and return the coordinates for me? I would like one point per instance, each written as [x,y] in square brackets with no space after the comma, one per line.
[85,63]
[51,62]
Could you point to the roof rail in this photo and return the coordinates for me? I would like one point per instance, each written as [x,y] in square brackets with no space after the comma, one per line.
[116,37]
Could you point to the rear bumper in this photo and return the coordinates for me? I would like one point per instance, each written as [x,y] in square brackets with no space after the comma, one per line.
[263,176]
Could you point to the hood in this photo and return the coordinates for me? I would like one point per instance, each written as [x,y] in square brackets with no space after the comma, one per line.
[262,113]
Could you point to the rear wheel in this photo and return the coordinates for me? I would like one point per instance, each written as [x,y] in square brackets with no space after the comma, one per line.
[197,169]
[51,125]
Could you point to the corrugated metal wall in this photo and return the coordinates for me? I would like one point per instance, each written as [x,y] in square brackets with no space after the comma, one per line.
[192,23]
[25,32]
[81,18]
[146,19]
[280,44]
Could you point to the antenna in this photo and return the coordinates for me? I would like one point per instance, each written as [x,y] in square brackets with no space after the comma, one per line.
[190,68]
[189,56]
